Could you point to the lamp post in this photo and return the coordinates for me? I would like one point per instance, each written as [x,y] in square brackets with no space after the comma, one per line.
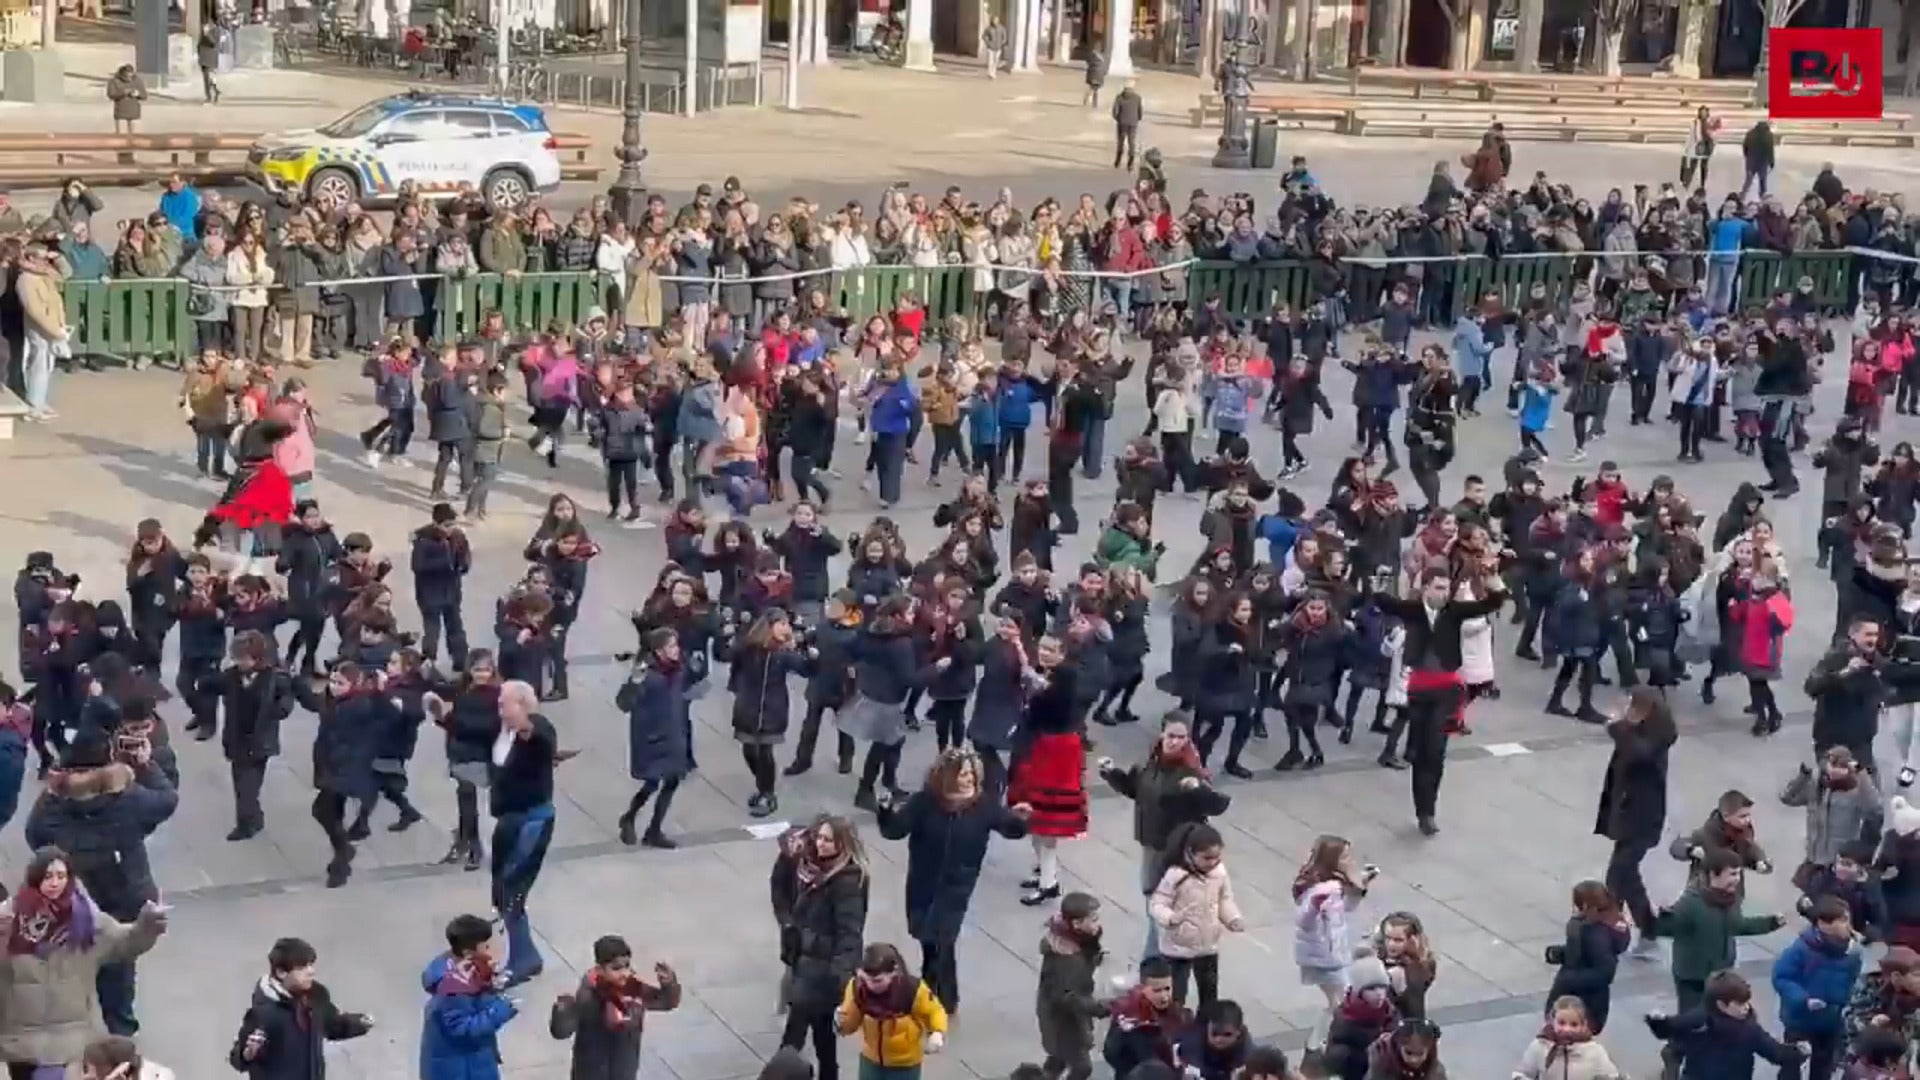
[1236,86]
[629,193]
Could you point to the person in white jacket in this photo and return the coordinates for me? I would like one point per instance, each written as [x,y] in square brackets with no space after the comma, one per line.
[1193,908]
[1565,1048]
[847,243]
[610,261]
[249,268]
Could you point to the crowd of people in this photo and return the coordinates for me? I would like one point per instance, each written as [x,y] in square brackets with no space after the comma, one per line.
[1014,658]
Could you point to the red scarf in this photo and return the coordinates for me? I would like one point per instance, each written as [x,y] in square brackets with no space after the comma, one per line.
[619,1000]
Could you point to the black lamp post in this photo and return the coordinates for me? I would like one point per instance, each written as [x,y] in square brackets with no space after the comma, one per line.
[629,193]
[1236,86]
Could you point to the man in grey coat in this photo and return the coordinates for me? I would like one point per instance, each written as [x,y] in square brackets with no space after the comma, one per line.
[993,45]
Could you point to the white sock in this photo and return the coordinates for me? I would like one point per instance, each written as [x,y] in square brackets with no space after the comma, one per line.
[1046,852]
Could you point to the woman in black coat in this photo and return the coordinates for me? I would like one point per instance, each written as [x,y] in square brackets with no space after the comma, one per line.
[353,709]
[471,720]
[819,888]
[946,826]
[1596,936]
[654,698]
[308,550]
[999,702]
[760,659]
[1633,798]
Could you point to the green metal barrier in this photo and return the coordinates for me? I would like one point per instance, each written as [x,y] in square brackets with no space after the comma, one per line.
[129,318]
[149,317]
[529,302]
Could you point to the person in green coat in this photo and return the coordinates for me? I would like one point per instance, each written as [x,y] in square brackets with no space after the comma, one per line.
[1126,542]
[1703,924]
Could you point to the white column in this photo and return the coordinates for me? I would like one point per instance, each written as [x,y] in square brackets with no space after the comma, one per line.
[919,56]
[1036,16]
[795,33]
[1062,43]
[693,57]
[1119,39]
[817,38]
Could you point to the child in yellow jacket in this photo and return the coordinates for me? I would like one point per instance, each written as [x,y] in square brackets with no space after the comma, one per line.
[895,1013]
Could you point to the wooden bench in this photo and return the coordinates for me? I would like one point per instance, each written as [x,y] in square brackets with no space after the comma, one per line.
[1489,86]
[1271,106]
[12,408]
[1617,130]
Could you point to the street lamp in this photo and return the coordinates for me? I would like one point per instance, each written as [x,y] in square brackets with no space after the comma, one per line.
[629,188]
[1236,86]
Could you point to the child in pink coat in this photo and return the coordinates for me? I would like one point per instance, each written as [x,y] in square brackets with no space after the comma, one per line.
[1760,620]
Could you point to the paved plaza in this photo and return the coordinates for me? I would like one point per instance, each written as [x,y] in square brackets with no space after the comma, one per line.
[1517,810]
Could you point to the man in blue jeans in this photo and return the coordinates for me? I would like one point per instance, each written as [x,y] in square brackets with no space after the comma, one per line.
[891,417]
[1728,234]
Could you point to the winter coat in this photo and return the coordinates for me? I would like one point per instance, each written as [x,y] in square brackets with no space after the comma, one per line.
[999,703]
[128,94]
[1763,622]
[101,818]
[1545,1059]
[1703,933]
[296,1033]
[347,739]
[1846,705]
[603,1050]
[307,557]
[448,405]
[757,679]
[460,1036]
[1837,819]
[1322,938]
[253,712]
[1064,1001]
[1715,1046]
[624,432]
[946,847]
[440,560]
[1193,911]
[1814,968]
[892,1042]
[1633,797]
[829,923]
[805,555]
[1588,962]
[49,1010]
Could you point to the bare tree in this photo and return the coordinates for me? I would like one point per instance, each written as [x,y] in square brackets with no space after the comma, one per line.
[1613,17]
[1910,38]
[1779,13]
[1311,24]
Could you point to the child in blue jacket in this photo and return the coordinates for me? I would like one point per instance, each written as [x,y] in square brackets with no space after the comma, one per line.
[1018,396]
[460,1037]
[982,409]
[1814,978]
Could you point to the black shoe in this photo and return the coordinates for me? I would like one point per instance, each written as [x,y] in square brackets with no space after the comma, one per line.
[1527,654]
[408,819]
[1314,761]
[1821,562]
[337,873]
[845,767]
[476,856]
[1346,734]
[1259,728]
[863,800]
[240,832]
[1041,896]
[798,768]
[657,839]
[1100,717]
[1428,826]
[361,829]
[1125,716]
[1380,727]
[1706,692]
[759,805]
[455,853]
[1289,761]
[1235,769]
[205,734]
[627,835]
[1391,761]
[1554,708]
[1590,715]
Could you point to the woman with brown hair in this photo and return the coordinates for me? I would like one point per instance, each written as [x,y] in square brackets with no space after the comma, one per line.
[1401,944]
[1328,887]
[819,887]
[759,661]
[947,825]
[1596,936]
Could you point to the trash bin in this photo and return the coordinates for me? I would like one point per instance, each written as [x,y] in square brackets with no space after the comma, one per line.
[1266,144]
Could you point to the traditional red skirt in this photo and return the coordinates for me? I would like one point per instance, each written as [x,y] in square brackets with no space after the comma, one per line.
[259,495]
[1050,778]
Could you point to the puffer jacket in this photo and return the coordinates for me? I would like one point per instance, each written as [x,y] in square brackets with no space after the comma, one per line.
[1549,1060]
[102,818]
[1193,911]
[49,1010]
[1322,937]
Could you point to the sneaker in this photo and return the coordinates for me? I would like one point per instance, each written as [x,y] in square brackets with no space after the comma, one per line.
[1906,776]
[1576,457]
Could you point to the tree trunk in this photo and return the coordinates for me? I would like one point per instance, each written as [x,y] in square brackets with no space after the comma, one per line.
[1208,27]
[1910,77]
[1779,13]
[1310,26]
[1612,39]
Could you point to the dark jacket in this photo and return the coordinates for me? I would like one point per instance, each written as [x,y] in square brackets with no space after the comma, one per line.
[1633,797]
[101,818]
[448,407]
[828,929]
[347,738]
[254,705]
[757,679]
[623,432]
[1846,705]
[805,555]
[946,848]
[884,668]
[602,1048]
[1065,1002]
[1588,962]
[1162,799]
[306,558]
[296,1037]
[655,701]
[1714,1046]
[440,561]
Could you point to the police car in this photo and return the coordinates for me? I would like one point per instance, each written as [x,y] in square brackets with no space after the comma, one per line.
[440,142]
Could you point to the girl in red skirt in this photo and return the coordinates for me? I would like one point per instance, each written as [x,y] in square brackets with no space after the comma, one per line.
[1048,766]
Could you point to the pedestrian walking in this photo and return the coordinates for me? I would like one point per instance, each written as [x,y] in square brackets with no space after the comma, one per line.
[993,45]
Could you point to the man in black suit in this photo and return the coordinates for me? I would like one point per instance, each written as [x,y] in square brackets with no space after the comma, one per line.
[1431,654]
